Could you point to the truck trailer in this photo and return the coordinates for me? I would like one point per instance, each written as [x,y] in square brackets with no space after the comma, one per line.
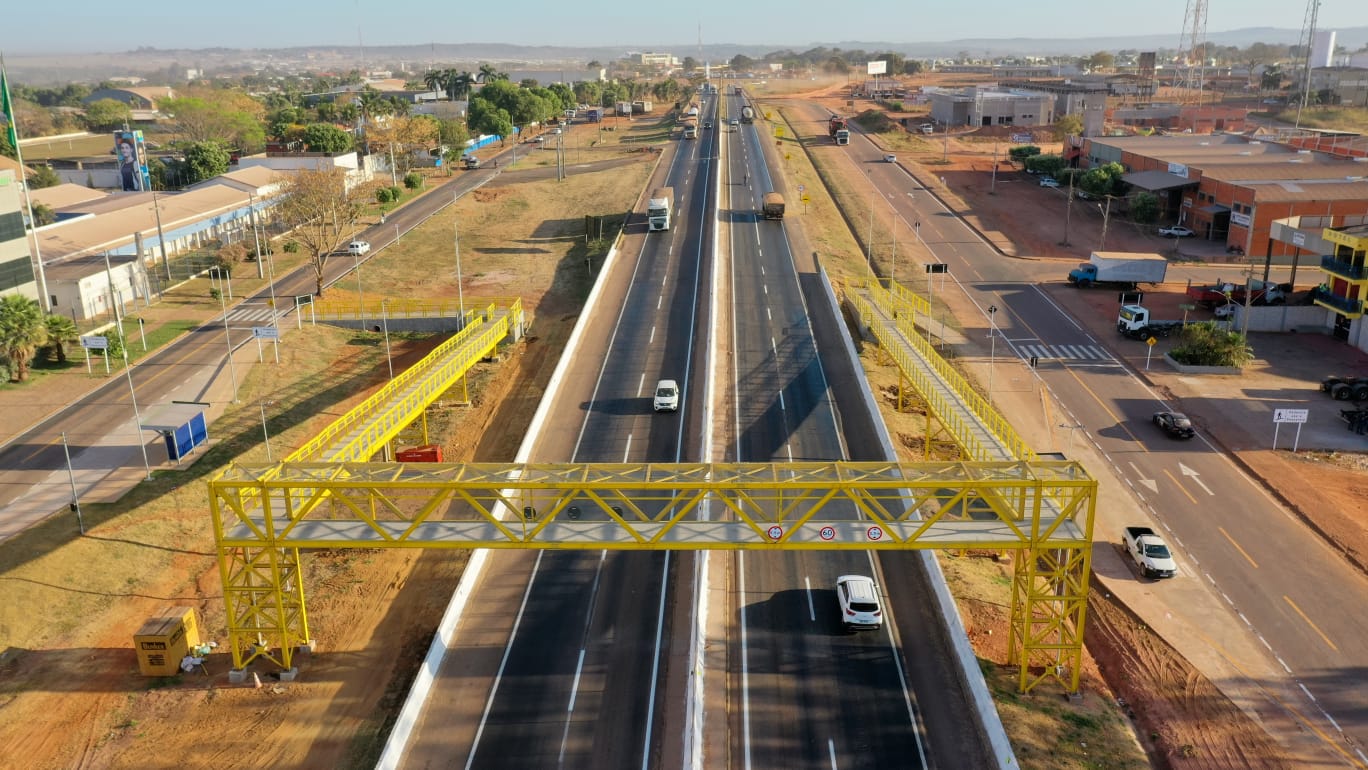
[747,114]
[660,208]
[772,206]
[1119,269]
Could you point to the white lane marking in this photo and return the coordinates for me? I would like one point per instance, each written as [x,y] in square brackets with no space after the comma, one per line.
[766,288]
[659,301]
[652,339]
[762,270]
[774,347]
[768,314]
[831,752]
[1190,473]
[664,278]
[641,383]
[1060,310]
[655,662]
[745,664]
[895,653]
[1150,484]
[503,664]
[781,401]
[812,610]
[627,450]
[789,449]
[574,690]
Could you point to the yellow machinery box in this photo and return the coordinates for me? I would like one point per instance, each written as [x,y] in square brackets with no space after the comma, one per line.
[164,639]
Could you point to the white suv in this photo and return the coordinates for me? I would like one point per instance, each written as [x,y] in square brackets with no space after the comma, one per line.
[859,598]
[358,248]
[667,396]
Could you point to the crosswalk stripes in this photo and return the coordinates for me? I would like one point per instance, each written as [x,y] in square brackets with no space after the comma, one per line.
[249,312]
[1092,353]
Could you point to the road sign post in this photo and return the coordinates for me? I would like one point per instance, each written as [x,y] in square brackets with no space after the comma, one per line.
[95,342]
[271,333]
[1296,416]
[1148,350]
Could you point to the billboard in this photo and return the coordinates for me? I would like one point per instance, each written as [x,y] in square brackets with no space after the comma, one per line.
[131,152]
[877,67]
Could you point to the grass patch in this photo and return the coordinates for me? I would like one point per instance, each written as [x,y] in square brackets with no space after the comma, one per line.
[1336,118]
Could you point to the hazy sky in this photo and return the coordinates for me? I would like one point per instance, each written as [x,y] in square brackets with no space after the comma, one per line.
[100,25]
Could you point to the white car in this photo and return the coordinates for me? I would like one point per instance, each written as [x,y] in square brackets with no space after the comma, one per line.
[1049,181]
[859,599]
[358,248]
[1177,231]
[667,396]
[890,158]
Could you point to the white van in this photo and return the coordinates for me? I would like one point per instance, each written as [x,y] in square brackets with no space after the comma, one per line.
[358,248]
[667,396]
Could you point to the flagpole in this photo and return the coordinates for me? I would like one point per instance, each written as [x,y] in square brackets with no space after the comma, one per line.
[45,300]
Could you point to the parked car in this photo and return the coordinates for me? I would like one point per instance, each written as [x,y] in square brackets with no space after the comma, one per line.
[928,128]
[1084,195]
[1176,424]
[1177,231]
[890,158]
[859,599]
[358,248]
[1049,181]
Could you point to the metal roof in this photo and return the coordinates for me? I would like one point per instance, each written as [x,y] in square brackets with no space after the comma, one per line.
[1157,180]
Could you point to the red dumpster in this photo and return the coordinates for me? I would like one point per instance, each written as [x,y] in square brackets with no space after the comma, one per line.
[428,453]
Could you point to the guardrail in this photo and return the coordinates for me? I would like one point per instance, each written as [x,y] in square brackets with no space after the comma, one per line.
[343,310]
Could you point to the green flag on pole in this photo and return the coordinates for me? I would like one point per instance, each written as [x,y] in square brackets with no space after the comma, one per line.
[7,108]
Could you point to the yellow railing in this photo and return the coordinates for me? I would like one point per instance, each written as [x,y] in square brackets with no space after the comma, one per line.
[949,416]
[341,307]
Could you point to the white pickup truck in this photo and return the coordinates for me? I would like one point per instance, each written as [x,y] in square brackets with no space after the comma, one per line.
[1150,552]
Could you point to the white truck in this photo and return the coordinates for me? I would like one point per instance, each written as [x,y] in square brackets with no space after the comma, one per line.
[660,208]
[1120,269]
[1150,552]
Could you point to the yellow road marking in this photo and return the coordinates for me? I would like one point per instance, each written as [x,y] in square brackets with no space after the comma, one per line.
[1180,486]
[1313,626]
[1227,536]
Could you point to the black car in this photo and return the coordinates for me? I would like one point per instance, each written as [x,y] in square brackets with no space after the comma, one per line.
[1176,424]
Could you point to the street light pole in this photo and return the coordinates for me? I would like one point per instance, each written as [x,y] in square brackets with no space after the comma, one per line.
[360,301]
[265,435]
[384,320]
[992,348]
[232,372]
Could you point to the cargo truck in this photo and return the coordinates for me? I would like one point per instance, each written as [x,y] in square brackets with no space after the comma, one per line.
[660,208]
[642,107]
[624,108]
[1134,321]
[1224,293]
[747,114]
[691,129]
[1119,269]
[837,129]
[772,206]
[842,136]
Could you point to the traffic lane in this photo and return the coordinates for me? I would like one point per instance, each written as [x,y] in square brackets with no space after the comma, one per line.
[1264,562]
[817,696]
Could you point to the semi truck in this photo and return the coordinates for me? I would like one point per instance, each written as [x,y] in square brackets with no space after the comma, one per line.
[1255,291]
[838,129]
[690,128]
[660,208]
[772,205]
[1150,552]
[1134,321]
[1119,269]
[747,114]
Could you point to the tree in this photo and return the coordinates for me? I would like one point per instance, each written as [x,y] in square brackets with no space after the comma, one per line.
[205,160]
[453,133]
[43,215]
[107,114]
[22,332]
[1068,125]
[690,64]
[1049,165]
[488,74]
[279,122]
[593,64]
[485,117]
[325,137]
[912,67]
[322,211]
[1144,208]
[1102,60]
[7,149]
[60,332]
[1020,153]
[741,63]
[1272,78]
[229,117]
[42,177]
[1207,344]
[403,134]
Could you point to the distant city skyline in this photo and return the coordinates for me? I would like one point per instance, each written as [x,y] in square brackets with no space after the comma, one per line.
[79,26]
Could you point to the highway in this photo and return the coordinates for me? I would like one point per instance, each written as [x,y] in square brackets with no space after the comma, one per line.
[583,676]
[572,659]
[1279,577]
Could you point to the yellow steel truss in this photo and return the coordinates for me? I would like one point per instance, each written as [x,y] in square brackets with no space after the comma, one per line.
[264,513]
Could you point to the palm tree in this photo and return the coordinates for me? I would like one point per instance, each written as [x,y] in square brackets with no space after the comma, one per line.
[489,74]
[61,330]
[435,79]
[22,332]
[460,85]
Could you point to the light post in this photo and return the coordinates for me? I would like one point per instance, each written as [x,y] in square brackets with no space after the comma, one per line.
[992,186]
[232,372]
[460,292]
[256,241]
[356,258]
[384,320]
[992,348]
[1071,428]
[1106,215]
[137,418]
[264,434]
[1068,212]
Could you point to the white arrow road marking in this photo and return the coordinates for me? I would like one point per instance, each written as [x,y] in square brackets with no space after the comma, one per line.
[1151,484]
[1190,473]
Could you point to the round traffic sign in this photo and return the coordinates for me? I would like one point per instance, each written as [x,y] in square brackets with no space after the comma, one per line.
[801,188]
[775,532]
[827,533]
[874,533]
